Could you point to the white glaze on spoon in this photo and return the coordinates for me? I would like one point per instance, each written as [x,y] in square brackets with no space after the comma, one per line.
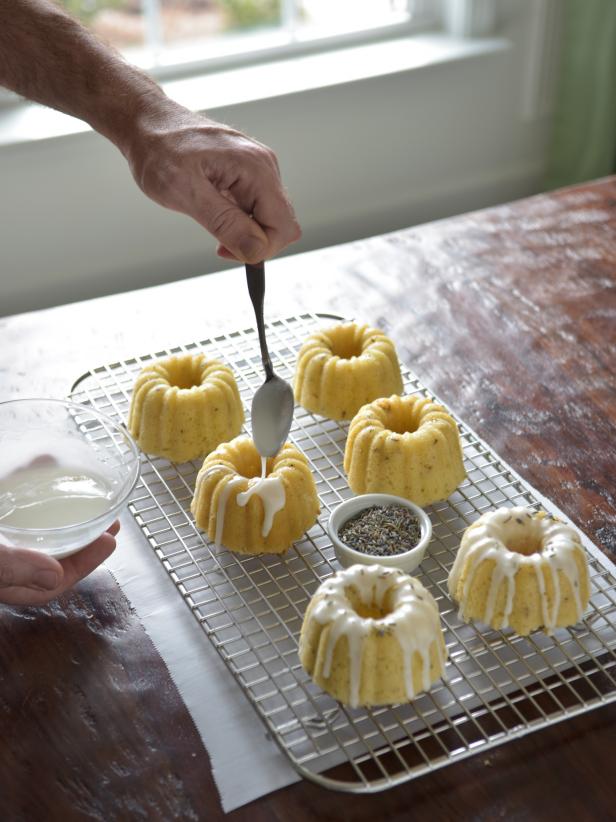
[488,539]
[272,415]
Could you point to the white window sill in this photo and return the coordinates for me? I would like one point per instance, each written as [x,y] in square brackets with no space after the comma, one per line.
[24,122]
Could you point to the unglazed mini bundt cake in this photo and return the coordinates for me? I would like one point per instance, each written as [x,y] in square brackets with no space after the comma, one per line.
[184,406]
[407,446]
[520,568]
[344,367]
[372,636]
[243,510]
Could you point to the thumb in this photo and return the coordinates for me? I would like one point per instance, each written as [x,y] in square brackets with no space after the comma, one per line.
[235,230]
[27,568]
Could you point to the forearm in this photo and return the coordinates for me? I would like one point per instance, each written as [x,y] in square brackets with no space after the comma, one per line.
[227,182]
[48,57]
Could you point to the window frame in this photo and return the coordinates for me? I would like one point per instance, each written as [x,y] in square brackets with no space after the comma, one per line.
[432,16]
[423,15]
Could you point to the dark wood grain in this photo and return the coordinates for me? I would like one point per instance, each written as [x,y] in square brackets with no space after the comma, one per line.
[509,315]
[91,724]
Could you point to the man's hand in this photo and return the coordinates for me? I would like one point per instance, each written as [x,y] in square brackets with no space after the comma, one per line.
[227,182]
[29,577]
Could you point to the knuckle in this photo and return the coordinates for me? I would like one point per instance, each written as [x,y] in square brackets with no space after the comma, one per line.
[224,221]
[272,162]
[261,154]
[271,156]
[276,166]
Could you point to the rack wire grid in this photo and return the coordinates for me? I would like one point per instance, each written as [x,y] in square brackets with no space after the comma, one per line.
[497,686]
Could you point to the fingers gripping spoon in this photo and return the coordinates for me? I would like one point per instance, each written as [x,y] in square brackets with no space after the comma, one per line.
[272,405]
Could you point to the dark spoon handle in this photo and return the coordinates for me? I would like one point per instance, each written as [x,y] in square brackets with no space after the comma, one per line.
[255,276]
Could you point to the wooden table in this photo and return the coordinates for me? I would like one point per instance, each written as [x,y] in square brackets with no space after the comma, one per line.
[510,316]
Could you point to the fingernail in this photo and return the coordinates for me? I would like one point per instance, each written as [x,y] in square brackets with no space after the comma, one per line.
[48,580]
[251,248]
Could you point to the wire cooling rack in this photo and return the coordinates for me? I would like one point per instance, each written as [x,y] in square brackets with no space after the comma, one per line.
[497,686]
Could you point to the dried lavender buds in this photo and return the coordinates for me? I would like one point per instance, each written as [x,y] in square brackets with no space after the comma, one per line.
[382,531]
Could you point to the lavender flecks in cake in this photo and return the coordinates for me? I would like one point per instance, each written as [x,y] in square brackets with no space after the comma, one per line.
[382,531]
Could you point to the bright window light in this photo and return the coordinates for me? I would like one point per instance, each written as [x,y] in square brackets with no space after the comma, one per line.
[164,36]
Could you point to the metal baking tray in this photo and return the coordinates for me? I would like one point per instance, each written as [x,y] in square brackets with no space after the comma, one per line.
[497,686]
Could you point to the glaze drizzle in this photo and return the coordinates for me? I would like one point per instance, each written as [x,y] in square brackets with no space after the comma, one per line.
[414,620]
[487,539]
[269,489]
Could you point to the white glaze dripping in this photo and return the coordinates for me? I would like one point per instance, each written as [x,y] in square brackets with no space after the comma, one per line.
[222,506]
[488,538]
[414,621]
[203,475]
[271,491]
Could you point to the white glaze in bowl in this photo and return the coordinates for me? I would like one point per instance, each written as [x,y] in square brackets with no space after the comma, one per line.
[66,472]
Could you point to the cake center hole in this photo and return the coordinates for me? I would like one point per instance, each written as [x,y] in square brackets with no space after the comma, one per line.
[251,466]
[368,610]
[346,346]
[183,376]
[525,544]
[399,422]
[187,383]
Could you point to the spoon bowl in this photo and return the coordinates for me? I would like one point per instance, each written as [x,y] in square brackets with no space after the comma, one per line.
[272,415]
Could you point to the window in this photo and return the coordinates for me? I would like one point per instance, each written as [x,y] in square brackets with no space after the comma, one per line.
[175,36]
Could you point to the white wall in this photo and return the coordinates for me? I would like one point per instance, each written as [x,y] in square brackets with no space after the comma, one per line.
[358,159]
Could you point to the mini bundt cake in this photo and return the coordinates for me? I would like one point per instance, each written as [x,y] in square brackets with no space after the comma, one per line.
[251,511]
[184,406]
[407,446]
[344,367]
[520,568]
[372,635]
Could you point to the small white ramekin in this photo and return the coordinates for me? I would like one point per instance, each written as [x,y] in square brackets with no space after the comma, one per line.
[407,561]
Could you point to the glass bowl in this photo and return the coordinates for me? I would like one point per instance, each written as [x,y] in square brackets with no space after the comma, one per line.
[66,472]
[347,556]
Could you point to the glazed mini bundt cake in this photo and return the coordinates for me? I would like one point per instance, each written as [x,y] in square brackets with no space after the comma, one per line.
[372,635]
[248,512]
[407,446]
[520,568]
[184,406]
[344,367]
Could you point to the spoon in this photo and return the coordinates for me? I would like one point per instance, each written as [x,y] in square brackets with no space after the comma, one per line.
[273,403]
